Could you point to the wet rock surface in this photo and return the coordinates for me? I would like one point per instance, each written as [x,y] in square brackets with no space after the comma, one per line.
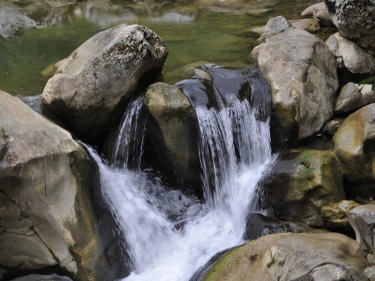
[299,184]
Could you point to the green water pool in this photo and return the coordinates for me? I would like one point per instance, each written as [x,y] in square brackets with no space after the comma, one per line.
[193,34]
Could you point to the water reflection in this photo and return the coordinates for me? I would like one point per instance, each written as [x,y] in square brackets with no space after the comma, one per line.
[38,33]
[13,20]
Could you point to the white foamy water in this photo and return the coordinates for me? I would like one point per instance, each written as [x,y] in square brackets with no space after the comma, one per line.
[142,206]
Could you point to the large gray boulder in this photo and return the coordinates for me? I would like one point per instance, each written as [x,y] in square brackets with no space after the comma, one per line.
[353,145]
[355,20]
[302,73]
[92,87]
[300,183]
[289,256]
[46,217]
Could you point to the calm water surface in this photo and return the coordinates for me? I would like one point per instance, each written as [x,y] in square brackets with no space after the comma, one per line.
[36,34]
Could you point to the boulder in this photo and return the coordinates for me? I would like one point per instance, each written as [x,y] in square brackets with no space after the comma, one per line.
[289,256]
[302,73]
[310,25]
[299,184]
[319,12]
[172,133]
[92,87]
[258,225]
[349,55]
[335,216]
[46,218]
[361,219]
[355,20]
[353,96]
[353,145]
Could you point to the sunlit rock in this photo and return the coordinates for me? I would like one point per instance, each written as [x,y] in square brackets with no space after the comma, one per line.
[349,55]
[355,20]
[353,96]
[299,184]
[319,12]
[90,90]
[302,73]
[361,219]
[353,145]
[288,256]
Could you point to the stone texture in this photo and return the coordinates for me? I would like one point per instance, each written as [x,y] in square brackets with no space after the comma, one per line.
[353,145]
[45,210]
[91,88]
[299,184]
[335,216]
[302,73]
[362,220]
[319,12]
[332,126]
[353,96]
[172,132]
[349,55]
[355,20]
[310,25]
[297,257]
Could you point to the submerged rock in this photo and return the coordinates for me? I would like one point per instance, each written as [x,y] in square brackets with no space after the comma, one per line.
[355,20]
[92,87]
[301,183]
[302,73]
[289,256]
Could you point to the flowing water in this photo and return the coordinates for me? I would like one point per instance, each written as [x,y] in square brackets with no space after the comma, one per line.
[162,248]
[168,234]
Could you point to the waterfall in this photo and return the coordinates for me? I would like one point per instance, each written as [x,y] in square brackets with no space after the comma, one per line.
[234,151]
[128,147]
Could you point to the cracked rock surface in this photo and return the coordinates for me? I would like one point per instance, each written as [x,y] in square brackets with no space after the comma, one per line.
[43,177]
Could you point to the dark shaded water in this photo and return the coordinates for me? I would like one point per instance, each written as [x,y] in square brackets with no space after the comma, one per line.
[194,34]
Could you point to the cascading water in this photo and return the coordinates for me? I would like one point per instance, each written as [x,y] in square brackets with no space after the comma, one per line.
[129,143]
[234,150]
